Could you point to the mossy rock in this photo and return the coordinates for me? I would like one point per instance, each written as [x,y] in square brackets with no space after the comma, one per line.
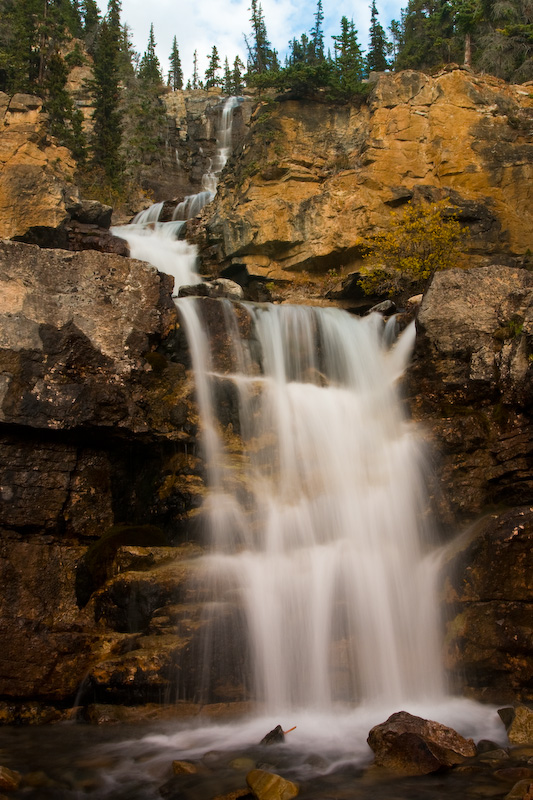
[93,569]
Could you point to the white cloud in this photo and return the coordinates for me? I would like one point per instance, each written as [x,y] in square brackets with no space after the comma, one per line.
[200,25]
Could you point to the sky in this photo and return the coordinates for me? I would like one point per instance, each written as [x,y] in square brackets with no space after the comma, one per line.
[200,24]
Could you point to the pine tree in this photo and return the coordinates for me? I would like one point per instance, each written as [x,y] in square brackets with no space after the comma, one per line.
[175,73]
[227,81]
[236,76]
[376,58]
[261,56]
[107,117]
[348,58]
[149,68]
[211,76]
[91,21]
[428,37]
[317,35]
[65,120]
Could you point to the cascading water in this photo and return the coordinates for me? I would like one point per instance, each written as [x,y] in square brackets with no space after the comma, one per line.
[154,241]
[326,547]
[321,572]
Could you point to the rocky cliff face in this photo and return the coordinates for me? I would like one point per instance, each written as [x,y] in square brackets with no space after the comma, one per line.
[471,386]
[314,181]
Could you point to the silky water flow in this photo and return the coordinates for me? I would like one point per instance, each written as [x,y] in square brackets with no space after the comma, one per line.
[321,551]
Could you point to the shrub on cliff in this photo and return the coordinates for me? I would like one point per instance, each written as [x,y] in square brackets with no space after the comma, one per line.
[420,241]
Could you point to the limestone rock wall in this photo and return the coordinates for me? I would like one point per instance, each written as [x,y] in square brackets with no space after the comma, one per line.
[36,175]
[315,181]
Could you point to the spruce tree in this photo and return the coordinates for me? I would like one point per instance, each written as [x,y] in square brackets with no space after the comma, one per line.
[175,73]
[317,35]
[65,120]
[429,36]
[107,117]
[261,56]
[211,74]
[376,58]
[227,81]
[149,67]
[348,59]
[91,20]
[236,76]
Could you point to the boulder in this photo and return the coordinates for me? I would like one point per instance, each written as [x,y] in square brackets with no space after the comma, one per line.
[411,745]
[518,722]
[9,779]
[221,287]
[269,786]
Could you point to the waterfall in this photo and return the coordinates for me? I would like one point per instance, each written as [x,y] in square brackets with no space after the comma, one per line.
[157,242]
[323,539]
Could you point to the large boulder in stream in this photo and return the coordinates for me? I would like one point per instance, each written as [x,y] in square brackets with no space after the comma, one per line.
[411,745]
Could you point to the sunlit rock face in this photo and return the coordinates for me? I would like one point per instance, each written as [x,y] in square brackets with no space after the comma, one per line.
[36,175]
[315,181]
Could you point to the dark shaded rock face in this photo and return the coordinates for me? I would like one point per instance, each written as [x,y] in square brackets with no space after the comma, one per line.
[488,594]
[97,430]
[471,387]
[472,384]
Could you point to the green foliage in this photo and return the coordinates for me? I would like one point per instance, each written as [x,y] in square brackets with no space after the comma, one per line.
[419,242]
[428,35]
[105,87]
[150,68]
[175,73]
[348,59]
[65,120]
[261,57]
[376,58]
[212,78]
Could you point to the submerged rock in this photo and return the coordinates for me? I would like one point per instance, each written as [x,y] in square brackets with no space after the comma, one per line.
[269,786]
[274,736]
[9,779]
[411,745]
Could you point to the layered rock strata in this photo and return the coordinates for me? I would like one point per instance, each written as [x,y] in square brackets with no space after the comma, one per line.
[315,181]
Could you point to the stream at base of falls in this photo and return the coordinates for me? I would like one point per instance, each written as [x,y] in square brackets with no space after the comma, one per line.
[326,755]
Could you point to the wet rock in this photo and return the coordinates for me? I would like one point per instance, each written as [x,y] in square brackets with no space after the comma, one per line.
[386,308]
[411,745]
[9,779]
[488,597]
[519,724]
[92,212]
[523,790]
[221,287]
[242,764]
[88,236]
[275,736]
[184,768]
[269,786]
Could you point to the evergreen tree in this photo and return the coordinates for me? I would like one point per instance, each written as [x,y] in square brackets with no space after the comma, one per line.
[175,73]
[348,58]
[91,20]
[376,58]
[505,40]
[236,76]
[261,56]
[107,117]
[211,76]
[317,35]
[149,67]
[227,81]
[429,37]
[65,120]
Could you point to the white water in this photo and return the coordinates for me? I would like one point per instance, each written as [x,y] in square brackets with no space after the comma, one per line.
[327,550]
